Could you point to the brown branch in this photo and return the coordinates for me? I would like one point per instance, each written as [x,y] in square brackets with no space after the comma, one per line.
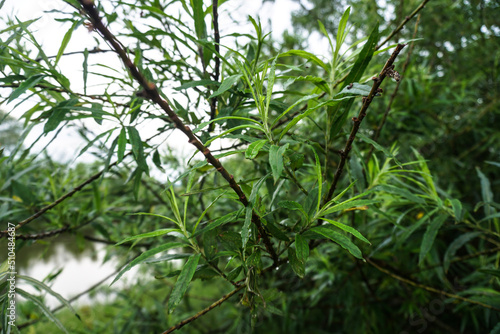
[215,22]
[394,32]
[428,288]
[408,18]
[394,93]
[357,120]
[152,92]
[202,312]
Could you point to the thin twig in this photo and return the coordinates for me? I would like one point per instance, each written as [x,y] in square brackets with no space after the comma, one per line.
[152,92]
[202,312]
[394,93]
[408,18]
[394,32]
[357,120]
[60,199]
[428,288]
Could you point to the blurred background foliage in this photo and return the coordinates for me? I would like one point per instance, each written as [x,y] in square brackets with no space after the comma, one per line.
[434,230]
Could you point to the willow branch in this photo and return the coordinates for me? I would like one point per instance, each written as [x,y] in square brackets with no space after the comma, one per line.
[428,288]
[60,199]
[204,311]
[151,91]
[398,29]
[344,154]
[394,93]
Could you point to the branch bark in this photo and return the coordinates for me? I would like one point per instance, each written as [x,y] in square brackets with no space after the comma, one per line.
[204,311]
[153,93]
[387,70]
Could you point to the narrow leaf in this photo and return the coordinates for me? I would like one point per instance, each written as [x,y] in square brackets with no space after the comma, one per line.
[42,307]
[429,236]
[301,248]
[226,84]
[65,41]
[23,87]
[183,281]
[297,265]
[348,229]
[455,246]
[151,234]
[340,239]
[254,148]
[276,160]
[147,255]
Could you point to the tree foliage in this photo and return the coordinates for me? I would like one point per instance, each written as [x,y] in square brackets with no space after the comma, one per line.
[352,192]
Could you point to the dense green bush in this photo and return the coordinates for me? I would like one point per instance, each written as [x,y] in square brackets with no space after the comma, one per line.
[296,213]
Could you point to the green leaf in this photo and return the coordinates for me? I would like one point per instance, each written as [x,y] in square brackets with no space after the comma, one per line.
[226,84]
[65,41]
[292,205]
[199,19]
[254,148]
[308,56]
[414,226]
[276,160]
[340,239]
[319,178]
[151,234]
[245,231]
[486,192]
[57,114]
[269,92]
[276,231]
[157,160]
[85,66]
[218,222]
[455,246]
[297,265]
[338,114]
[327,35]
[429,236]
[308,112]
[301,248]
[23,87]
[296,103]
[348,229]
[457,210]
[401,192]
[42,307]
[191,84]
[137,148]
[347,205]
[494,272]
[147,254]
[341,31]
[183,281]
[426,174]
[43,286]
[122,141]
